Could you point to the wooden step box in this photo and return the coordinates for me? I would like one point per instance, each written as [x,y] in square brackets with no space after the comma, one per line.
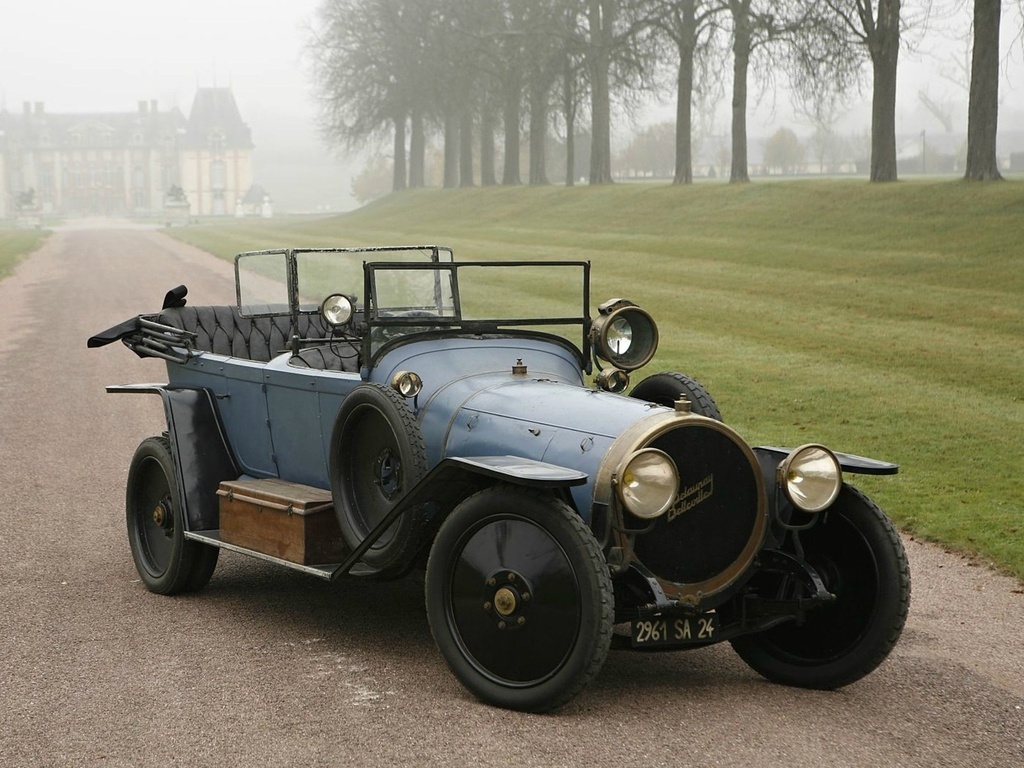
[286,520]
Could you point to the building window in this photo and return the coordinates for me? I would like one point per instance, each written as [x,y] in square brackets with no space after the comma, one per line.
[218,180]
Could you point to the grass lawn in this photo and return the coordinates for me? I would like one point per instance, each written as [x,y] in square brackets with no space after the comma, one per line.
[16,243]
[885,320]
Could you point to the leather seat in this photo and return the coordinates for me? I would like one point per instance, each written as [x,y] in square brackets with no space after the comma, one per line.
[223,331]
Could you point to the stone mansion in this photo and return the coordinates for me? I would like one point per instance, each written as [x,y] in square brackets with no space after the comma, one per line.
[143,163]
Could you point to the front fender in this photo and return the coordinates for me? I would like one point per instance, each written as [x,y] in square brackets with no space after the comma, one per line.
[779,508]
[848,462]
[457,478]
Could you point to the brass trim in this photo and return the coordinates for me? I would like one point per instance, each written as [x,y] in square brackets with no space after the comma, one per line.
[640,435]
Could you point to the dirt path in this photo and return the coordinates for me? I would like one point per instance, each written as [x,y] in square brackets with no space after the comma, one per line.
[266,667]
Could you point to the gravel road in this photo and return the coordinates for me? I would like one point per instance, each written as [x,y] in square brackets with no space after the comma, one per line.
[268,667]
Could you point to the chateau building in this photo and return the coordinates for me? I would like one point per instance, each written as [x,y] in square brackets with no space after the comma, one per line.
[145,162]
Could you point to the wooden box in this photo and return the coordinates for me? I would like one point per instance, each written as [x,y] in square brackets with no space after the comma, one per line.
[287,520]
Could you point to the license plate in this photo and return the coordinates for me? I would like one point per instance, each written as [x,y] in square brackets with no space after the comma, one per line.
[668,632]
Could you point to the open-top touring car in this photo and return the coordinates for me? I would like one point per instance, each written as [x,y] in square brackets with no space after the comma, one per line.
[362,412]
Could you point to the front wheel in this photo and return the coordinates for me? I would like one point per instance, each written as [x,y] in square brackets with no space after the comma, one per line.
[519,599]
[167,563]
[859,556]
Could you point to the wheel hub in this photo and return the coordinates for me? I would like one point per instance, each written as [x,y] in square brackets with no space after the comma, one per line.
[161,515]
[505,601]
[506,596]
[387,471]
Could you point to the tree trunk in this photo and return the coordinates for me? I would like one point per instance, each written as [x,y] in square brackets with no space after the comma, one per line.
[417,152]
[466,149]
[569,110]
[684,95]
[983,110]
[398,176]
[740,68]
[487,177]
[884,48]
[538,130]
[599,18]
[451,151]
[510,116]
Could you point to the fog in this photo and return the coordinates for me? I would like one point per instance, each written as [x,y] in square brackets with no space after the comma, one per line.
[107,55]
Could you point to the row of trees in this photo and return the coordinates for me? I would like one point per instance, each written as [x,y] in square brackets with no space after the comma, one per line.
[406,69]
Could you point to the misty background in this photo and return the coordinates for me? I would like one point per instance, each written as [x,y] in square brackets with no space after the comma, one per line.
[106,55]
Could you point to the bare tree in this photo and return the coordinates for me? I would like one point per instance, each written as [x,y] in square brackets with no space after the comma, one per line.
[762,27]
[544,41]
[983,109]
[874,26]
[600,28]
[362,75]
[688,24]
[572,83]
[615,44]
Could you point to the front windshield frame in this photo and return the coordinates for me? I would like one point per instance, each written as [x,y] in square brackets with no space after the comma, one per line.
[290,279]
[449,318]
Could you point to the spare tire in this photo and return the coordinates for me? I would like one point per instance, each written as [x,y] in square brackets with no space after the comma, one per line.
[666,388]
[377,455]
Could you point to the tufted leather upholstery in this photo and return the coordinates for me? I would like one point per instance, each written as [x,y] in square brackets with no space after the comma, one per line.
[337,356]
[223,331]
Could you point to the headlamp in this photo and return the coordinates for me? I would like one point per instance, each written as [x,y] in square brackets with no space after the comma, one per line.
[811,477]
[624,335]
[648,483]
[336,309]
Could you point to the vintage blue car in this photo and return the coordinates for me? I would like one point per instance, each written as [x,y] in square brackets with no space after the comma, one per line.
[363,412]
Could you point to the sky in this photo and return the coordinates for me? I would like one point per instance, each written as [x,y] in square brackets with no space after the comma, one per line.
[101,55]
[107,55]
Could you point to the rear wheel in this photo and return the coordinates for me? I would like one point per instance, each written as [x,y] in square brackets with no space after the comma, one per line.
[167,563]
[377,455]
[519,599]
[859,556]
[666,388]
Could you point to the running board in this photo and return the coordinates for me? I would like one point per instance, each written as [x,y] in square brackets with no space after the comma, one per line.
[327,572]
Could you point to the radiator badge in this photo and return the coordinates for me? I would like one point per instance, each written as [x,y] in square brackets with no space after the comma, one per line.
[691,496]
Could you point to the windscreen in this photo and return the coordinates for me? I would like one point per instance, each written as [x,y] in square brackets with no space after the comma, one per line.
[532,293]
[261,283]
[263,279]
[481,296]
[322,272]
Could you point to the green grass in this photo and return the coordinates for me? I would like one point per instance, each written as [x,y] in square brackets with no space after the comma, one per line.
[886,320]
[15,244]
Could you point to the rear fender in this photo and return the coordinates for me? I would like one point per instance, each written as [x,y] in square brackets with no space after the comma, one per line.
[202,456]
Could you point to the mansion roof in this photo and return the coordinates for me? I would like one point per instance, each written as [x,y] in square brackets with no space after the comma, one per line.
[214,122]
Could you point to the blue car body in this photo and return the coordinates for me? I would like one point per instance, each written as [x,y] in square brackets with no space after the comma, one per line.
[436,420]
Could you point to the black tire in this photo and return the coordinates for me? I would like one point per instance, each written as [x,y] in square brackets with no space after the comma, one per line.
[861,560]
[519,598]
[666,388]
[167,563]
[377,455]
